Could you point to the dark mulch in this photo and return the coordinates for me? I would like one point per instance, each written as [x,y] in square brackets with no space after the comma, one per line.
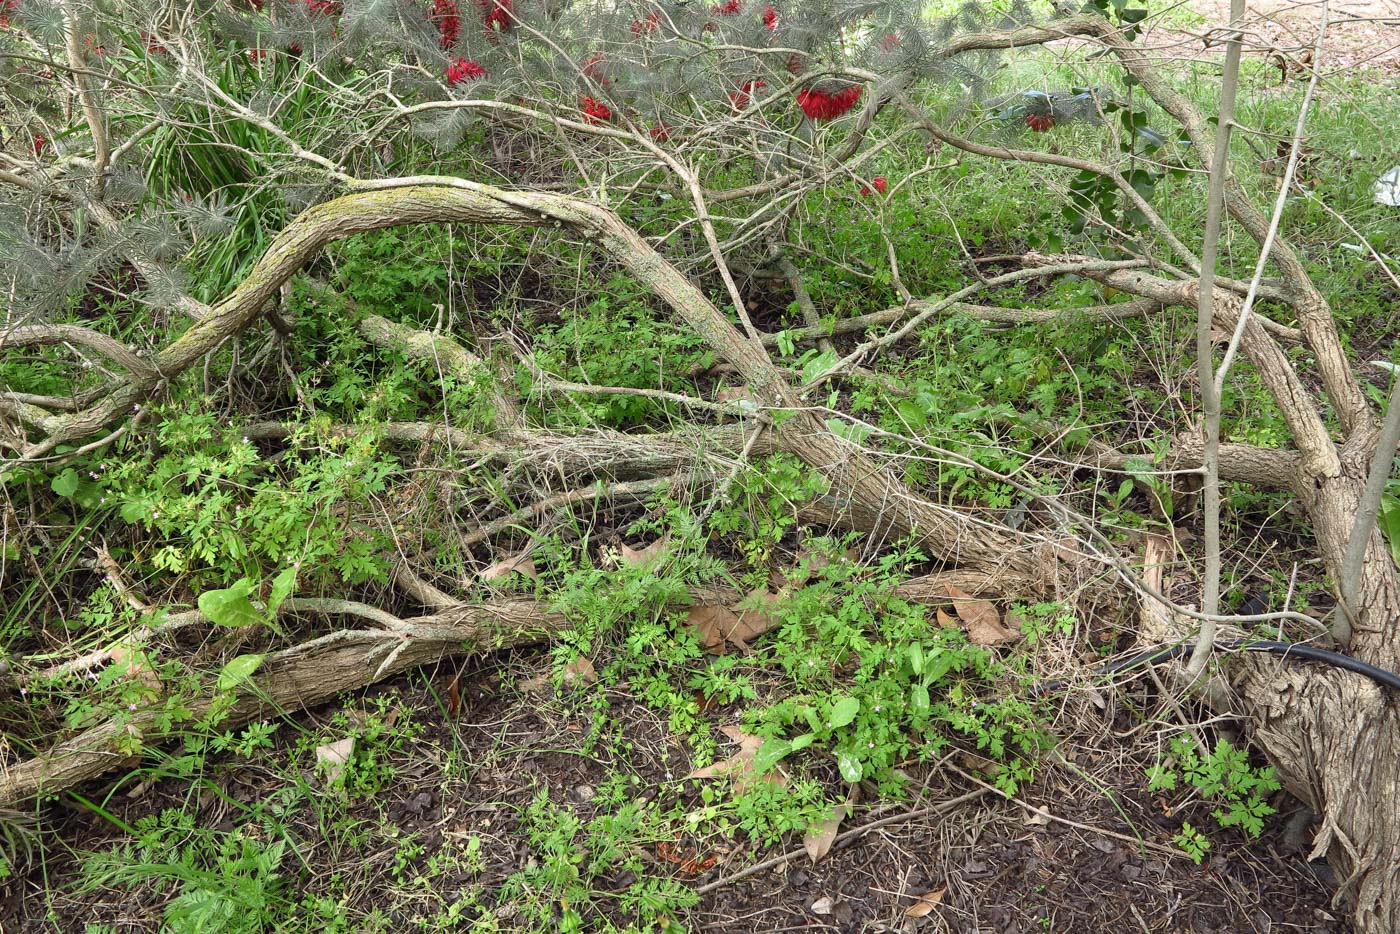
[996,865]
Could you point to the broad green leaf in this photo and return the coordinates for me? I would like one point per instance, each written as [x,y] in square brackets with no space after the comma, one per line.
[1389,521]
[919,700]
[851,769]
[238,670]
[230,606]
[66,483]
[801,742]
[770,754]
[282,586]
[916,658]
[843,712]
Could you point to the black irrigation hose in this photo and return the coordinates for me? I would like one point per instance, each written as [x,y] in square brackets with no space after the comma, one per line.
[1286,649]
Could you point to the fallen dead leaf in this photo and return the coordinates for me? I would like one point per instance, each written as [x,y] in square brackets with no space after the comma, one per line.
[737,394]
[823,906]
[138,668]
[980,617]
[976,763]
[817,841]
[1039,818]
[946,621]
[739,766]
[515,564]
[925,904]
[641,557]
[334,756]
[577,672]
[716,624]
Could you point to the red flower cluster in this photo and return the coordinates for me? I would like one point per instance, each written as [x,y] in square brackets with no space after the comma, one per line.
[594,111]
[740,98]
[880,183]
[497,15]
[463,69]
[325,7]
[661,132]
[1040,122]
[891,41]
[648,25]
[824,105]
[795,64]
[39,139]
[6,8]
[448,21]
[727,9]
[770,18]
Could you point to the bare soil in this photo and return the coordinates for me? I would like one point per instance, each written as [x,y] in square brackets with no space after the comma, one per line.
[1098,858]
[1360,34]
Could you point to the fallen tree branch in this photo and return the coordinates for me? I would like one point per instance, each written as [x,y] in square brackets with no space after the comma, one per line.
[292,679]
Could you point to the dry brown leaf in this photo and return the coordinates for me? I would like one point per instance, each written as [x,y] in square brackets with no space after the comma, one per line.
[579,671]
[138,668]
[946,621]
[640,557]
[736,394]
[515,564]
[976,763]
[712,624]
[717,625]
[817,841]
[334,756]
[980,617]
[739,766]
[1039,818]
[925,904]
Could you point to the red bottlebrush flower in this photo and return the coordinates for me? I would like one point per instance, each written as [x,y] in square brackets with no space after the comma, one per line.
[770,18]
[891,41]
[795,64]
[447,19]
[727,9]
[661,132]
[881,183]
[39,143]
[324,7]
[257,55]
[497,15]
[740,98]
[463,69]
[594,111]
[642,27]
[6,8]
[1040,122]
[825,105]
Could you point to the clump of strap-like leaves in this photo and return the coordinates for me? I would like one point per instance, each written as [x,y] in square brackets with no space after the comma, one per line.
[210,111]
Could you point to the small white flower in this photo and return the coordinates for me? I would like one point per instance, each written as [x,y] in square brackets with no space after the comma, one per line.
[23,692]
[245,439]
[131,706]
